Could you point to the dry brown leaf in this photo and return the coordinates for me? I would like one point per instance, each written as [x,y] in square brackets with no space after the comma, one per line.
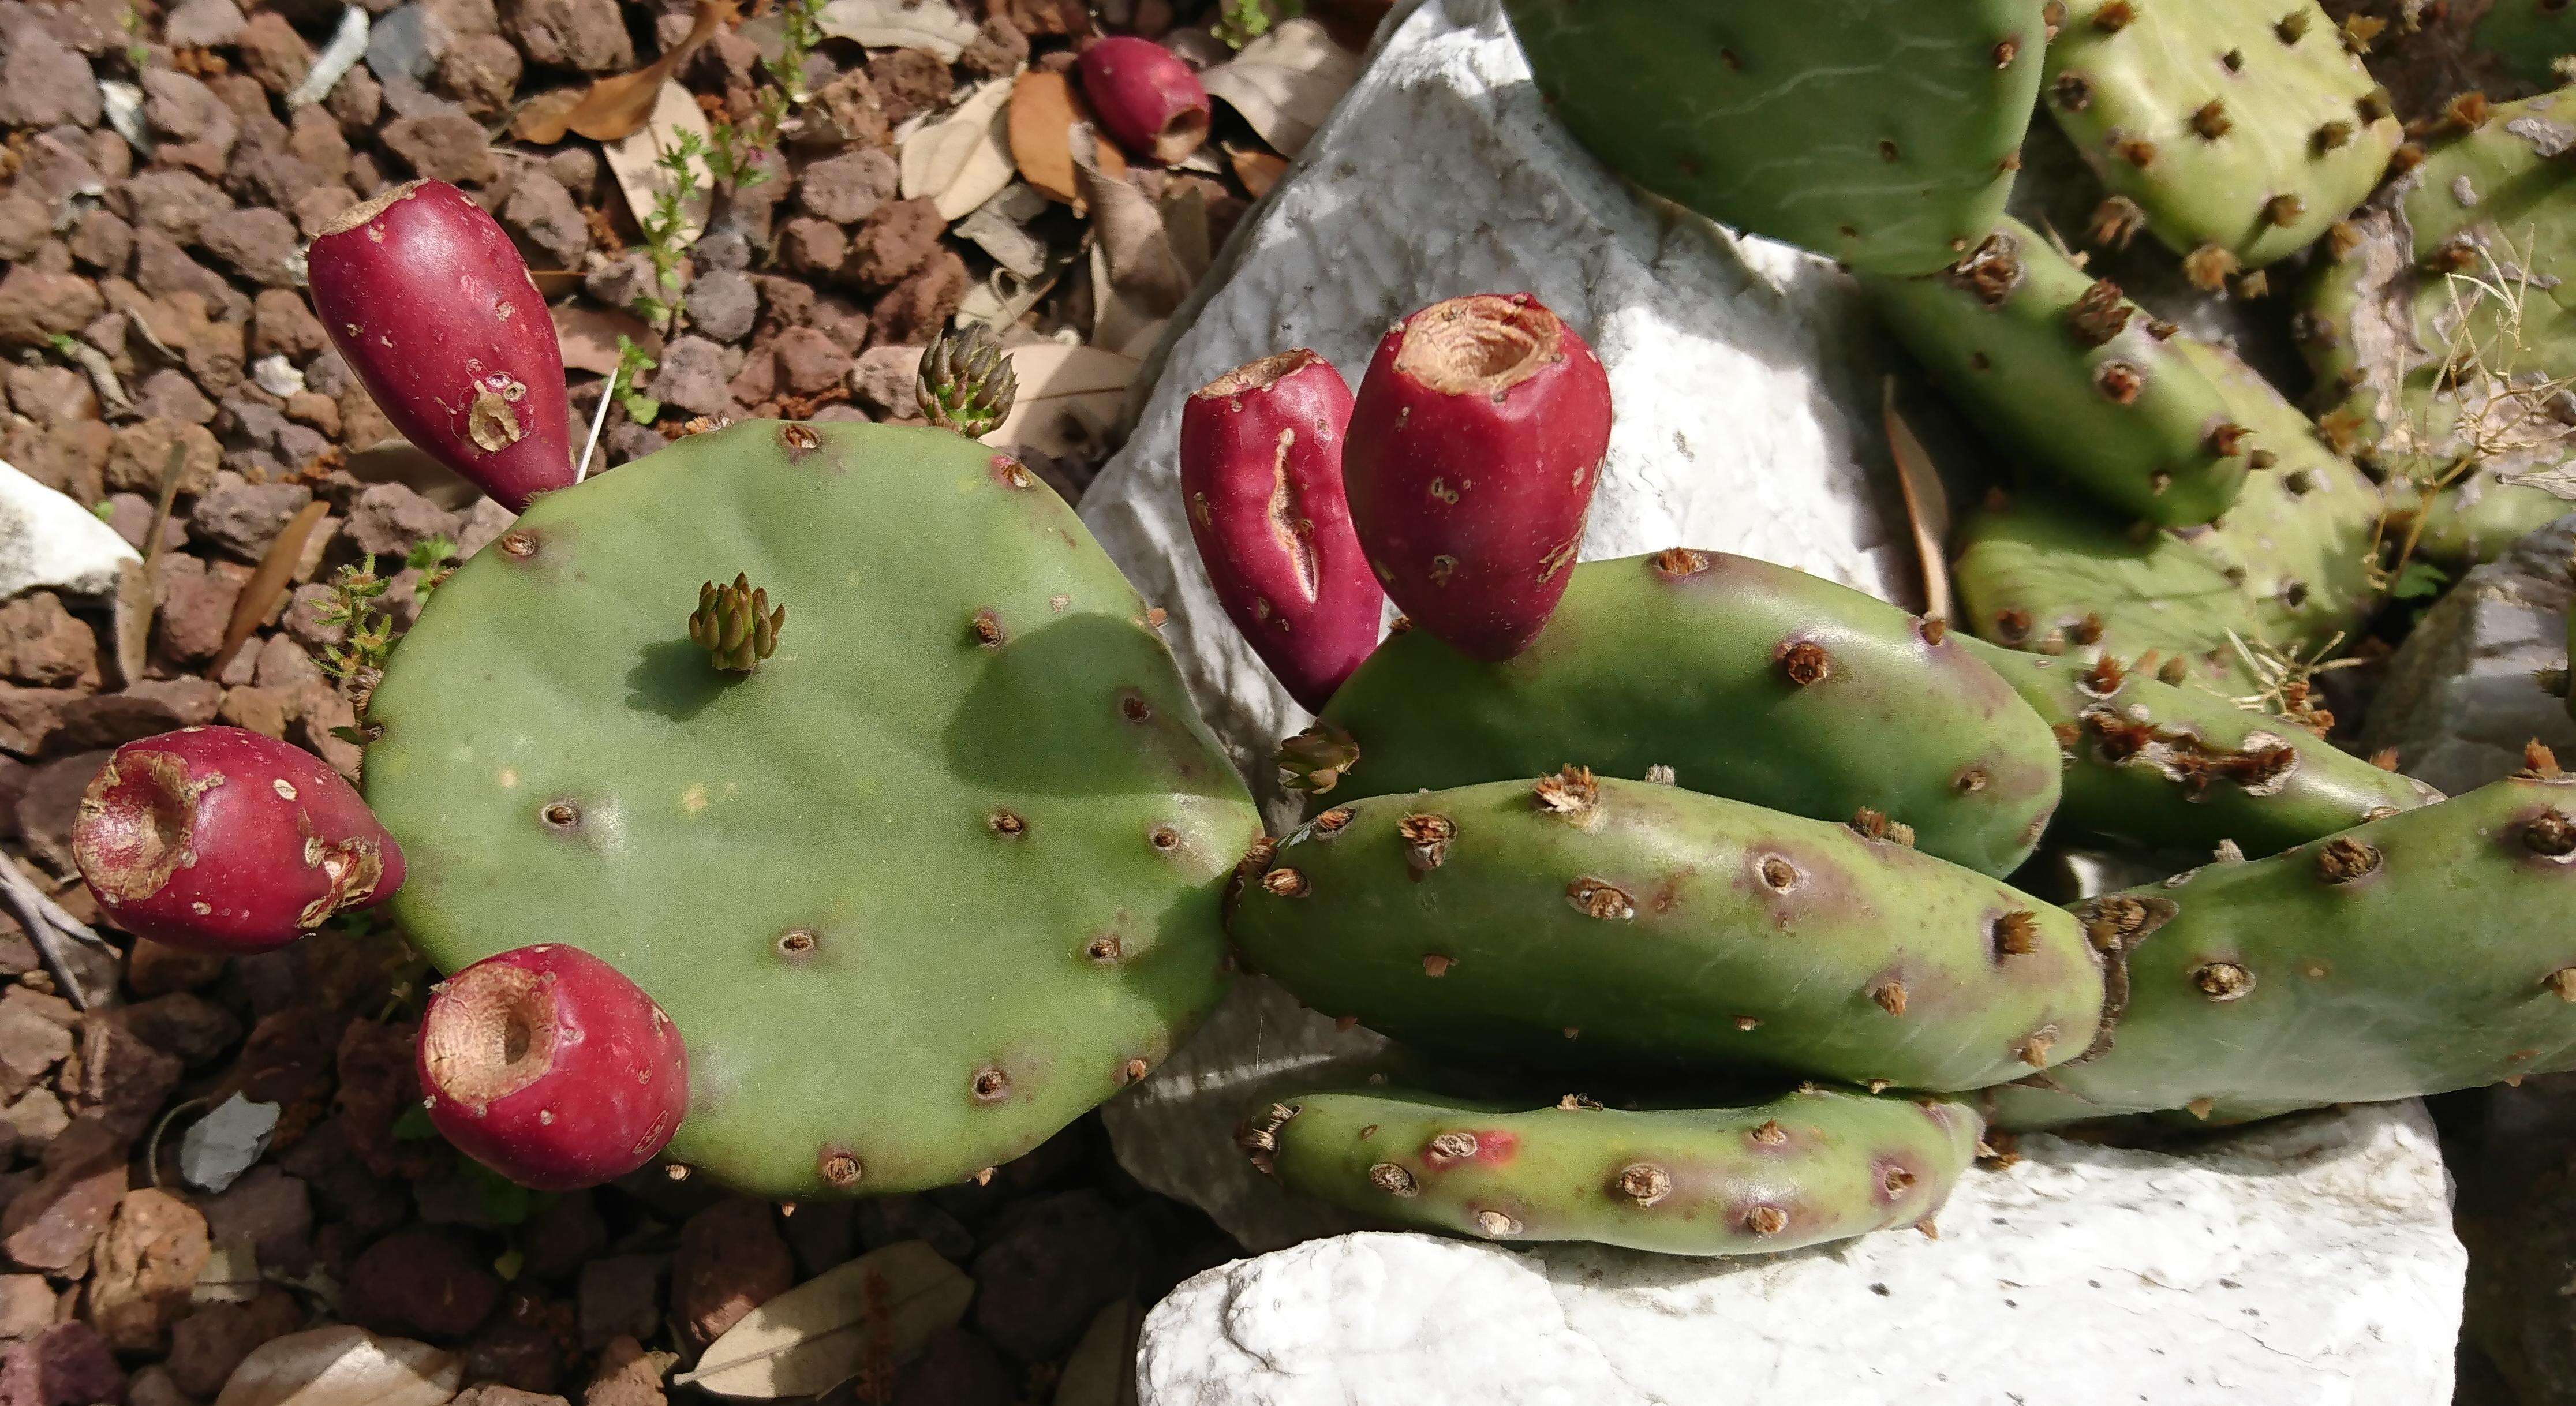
[343,1367]
[964,158]
[555,283]
[1138,280]
[1258,170]
[1927,505]
[873,1312]
[1285,82]
[1044,111]
[137,586]
[614,107]
[1070,398]
[931,25]
[270,583]
[634,160]
[1102,1369]
[401,461]
[589,335]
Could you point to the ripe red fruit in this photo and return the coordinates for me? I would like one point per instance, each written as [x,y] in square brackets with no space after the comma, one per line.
[430,303]
[1474,447]
[221,840]
[1148,99]
[1261,471]
[548,1066]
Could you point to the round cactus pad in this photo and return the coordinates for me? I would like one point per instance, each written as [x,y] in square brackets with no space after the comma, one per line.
[938,875]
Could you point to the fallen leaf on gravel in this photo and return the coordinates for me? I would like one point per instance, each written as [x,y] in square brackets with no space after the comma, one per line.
[964,158]
[123,103]
[1044,111]
[589,335]
[876,1310]
[933,25]
[1258,170]
[1138,279]
[1102,1369]
[614,107]
[999,227]
[1285,82]
[343,1367]
[1070,397]
[270,583]
[401,461]
[633,160]
[348,44]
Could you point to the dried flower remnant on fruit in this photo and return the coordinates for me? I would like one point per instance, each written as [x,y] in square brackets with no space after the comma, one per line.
[2344,859]
[1426,840]
[1572,794]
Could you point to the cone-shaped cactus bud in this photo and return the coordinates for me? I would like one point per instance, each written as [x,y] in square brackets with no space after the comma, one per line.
[548,1066]
[1475,444]
[221,840]
[966,382]
[1261,471]
[736,625]
[428,301]
[1147,98]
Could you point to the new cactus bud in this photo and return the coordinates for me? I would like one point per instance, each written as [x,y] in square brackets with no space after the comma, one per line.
[1147,98]
[221,840]
[548,1066]
[736,625]
[966,382]
[1809,1167]
[429,302]
[1474,447]
[1261,470]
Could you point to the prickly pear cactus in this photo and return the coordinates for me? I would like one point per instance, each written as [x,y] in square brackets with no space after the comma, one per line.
[2529,37]
[2060,367]
[940,875]
[2439,339]
[2184,770]
[2241,130]
[1743,678]
[1881,135]
[1580,922]
[2286,573]
[2424,952]
[1809,1167]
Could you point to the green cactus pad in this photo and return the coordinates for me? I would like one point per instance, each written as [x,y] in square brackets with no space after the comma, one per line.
[2528,37]
[2288,570]
[2063,370]
[1575,922]
[943,874]
[2181,769]
[1747,679]
[1809,1167]
[2424,952]
[2237,127]
[1881,135]
[2442,330]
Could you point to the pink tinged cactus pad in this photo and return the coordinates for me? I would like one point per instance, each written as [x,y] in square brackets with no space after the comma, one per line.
[221,840]
[1474,447]
[1147,98]
[1261,470]
[548,1066]
[429,302]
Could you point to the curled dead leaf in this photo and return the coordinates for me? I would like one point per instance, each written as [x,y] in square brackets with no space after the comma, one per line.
[933,26]
[589,336]
[269,584]
[1071,398]
[1045,108]
[964,158]
[343,1366]
[614,107]
[1285,82]
[635,159]
[1258,170]
[869,1315]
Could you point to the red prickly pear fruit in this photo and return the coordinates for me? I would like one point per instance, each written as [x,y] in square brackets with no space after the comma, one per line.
[221,840]
[1474,446]
[431,305]
[548,1066]
[1261,470]
[1147,98]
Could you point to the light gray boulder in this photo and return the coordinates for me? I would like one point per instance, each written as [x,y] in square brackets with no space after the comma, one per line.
[2465,692]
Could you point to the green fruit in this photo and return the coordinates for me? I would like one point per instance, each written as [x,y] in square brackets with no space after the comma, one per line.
[2425,952]
[1808,1167]
[1746,680]
[2242,130]
[941,875]
[2182,769]
[1575,922]
[1881,135]
[2068,374]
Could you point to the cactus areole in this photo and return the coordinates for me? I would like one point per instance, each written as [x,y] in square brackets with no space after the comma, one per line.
[1261,470]
[428,301]
[1474,447]
[550,1068]
[218,839]
[940,876]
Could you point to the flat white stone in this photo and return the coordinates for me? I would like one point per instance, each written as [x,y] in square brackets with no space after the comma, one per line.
[2463,693]
[48,542]
[2308,1260]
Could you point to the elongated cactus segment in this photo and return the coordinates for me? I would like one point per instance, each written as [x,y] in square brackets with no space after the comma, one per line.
[2425,952]
[2184,770]
[1583,922]
[941,875]
[2069,374]
[1809,1167]
[2242,130]
[2528,37]
[1744,679]
[1881,135]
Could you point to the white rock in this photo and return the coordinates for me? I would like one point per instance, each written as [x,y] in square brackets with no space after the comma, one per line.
[2462,696]
[2304,1261]
[48,542]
